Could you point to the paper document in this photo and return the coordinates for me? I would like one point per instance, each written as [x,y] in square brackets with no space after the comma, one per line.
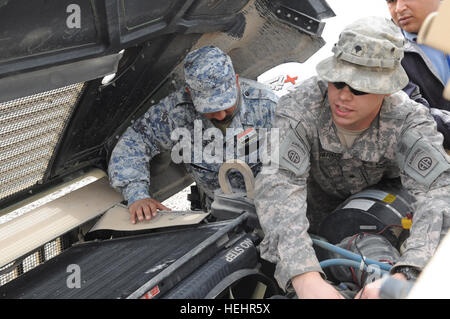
[118,218]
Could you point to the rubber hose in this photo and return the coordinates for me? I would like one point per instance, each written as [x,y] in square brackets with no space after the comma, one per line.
[343,262]
[349,254]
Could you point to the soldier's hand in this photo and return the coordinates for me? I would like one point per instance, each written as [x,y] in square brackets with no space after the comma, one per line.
[145,209]
[372,290]
[311,285]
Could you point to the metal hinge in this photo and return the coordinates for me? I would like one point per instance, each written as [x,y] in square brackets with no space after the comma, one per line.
[301,21]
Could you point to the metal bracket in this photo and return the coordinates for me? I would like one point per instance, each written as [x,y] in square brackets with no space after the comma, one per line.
[246,172]
[301,21]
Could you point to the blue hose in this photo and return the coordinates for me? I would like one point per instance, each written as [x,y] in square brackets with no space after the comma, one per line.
[349,254]
[343,262]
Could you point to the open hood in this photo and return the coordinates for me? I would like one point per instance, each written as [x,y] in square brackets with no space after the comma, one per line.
[60,115]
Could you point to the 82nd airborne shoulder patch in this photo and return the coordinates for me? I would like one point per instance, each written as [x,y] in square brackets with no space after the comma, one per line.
[425,163]
[421,161]
[294,154]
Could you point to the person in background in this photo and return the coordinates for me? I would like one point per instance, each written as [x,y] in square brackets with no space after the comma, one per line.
[426,67]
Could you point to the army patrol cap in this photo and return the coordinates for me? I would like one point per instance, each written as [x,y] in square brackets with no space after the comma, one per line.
[211,79]
[367,57]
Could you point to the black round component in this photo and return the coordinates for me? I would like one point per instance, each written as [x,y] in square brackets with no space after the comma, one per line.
[374,210]
[343,223]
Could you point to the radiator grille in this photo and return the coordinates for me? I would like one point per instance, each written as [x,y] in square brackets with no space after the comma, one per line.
[17,268]
[30,128]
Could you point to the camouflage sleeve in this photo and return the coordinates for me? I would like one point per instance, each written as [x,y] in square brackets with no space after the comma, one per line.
[414,94]
[425,171]
[280,198]
[129,170]
[442,117]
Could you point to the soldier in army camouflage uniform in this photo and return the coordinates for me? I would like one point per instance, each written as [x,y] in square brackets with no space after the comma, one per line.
[214,98]
[342,132]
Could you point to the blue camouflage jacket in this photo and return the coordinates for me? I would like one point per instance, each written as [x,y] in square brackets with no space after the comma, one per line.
[173,123]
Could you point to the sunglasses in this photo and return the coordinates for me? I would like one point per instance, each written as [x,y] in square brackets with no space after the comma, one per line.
[341,85]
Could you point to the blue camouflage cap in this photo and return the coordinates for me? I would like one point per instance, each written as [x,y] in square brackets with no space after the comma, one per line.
[211,79]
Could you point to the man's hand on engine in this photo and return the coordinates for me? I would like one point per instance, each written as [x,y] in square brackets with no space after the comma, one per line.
[145,208]
[372,290]
[311,285]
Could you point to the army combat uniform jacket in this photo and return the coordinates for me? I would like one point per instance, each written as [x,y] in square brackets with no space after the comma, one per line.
[401,142]
[151,134]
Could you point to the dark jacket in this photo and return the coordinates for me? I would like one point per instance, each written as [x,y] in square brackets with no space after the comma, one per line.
[431,86]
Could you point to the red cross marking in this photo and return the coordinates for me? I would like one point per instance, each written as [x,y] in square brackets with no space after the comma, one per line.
[289,79]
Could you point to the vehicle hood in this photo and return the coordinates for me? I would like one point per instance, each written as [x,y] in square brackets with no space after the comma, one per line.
[59,114]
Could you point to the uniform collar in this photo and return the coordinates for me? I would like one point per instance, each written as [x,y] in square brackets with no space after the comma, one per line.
[410,36]
[327,131]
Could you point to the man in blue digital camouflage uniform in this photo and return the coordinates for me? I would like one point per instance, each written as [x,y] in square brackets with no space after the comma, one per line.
[215,106]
